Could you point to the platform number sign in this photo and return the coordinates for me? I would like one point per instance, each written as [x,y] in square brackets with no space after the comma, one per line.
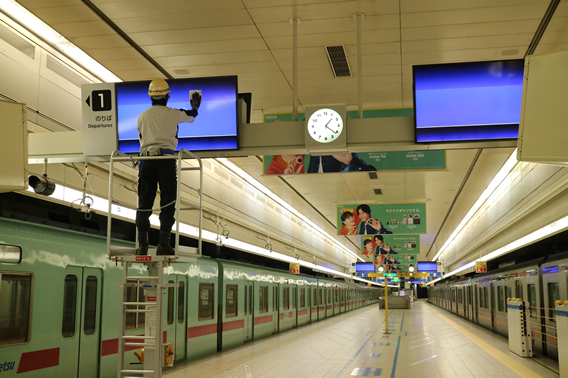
[100,136]
[100,100]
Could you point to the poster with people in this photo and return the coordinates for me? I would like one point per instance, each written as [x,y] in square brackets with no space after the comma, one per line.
[388,218]
[354,162]
[393,253]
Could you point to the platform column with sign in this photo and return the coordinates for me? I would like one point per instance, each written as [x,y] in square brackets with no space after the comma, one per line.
[519,334]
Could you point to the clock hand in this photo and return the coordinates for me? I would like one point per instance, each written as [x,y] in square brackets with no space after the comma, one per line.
[328,122]
[330,129]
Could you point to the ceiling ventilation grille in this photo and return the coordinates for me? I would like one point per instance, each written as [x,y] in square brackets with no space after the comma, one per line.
[378,192]
[338,61]
[373,175]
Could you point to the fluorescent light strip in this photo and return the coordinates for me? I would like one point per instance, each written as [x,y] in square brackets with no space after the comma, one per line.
[30,22]
[100,205]
[249,179]
[497,180]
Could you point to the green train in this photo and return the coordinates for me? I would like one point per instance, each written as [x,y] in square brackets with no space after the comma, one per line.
[59,303]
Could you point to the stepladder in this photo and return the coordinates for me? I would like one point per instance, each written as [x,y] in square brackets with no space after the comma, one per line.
[155,352]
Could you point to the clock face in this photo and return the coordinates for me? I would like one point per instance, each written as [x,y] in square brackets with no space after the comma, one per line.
[325,125]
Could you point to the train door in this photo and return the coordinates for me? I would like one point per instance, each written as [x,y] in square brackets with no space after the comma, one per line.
[248,306]
[314,304]
[175,315]
[275,307]
[81,322]
[492,305]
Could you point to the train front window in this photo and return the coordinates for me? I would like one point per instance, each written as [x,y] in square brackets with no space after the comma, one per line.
[532,299]
[69,306]
[15,308]
[552,298]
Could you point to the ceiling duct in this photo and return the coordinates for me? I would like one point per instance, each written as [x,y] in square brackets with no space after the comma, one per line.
[378,192]
[338,61]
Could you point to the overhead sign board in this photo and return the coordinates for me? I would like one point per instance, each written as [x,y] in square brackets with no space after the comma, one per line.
[99,119]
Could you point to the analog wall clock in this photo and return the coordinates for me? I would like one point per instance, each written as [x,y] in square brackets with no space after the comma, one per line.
[325,125]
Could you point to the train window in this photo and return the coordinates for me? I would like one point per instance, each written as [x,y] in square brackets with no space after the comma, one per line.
[509,295]
[328,296]
[500,298]
[486,295]
[181,302]
[481,297]
[552,298]
[250,299]
[171,298]
[286,298]
[246,297]
[531,291]
[135,320]
[263,299]
[10,254]
[315,297]
[69,306]
[206,306]
[90,314]
[15,307]
[274,298]
[336,295]
[302,297]
[232,301]
[320,298]
[519,291]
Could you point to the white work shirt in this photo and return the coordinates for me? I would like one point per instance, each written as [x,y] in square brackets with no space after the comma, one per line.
[158,127]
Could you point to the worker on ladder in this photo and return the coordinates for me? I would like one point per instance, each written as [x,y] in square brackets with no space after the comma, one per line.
[157,129]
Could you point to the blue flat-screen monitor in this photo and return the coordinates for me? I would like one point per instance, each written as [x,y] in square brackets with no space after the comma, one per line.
[365,268]
[215,128]
[468,101]
[427,267]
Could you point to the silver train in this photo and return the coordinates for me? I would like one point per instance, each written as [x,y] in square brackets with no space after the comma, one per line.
[483,299]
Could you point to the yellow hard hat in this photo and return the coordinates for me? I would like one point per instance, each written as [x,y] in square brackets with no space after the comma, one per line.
[158,87]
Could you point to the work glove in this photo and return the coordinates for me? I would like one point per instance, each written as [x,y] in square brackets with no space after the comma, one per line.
[195,100]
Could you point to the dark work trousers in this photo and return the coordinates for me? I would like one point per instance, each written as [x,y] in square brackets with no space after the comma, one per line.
[151,174]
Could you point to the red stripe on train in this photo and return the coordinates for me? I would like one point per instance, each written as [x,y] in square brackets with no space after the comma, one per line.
[302,312]
[262,319]
[110,346]
[40,359]
[203,330]
[236,324]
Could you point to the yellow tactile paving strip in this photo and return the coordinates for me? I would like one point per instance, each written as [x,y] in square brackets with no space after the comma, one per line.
[516,367]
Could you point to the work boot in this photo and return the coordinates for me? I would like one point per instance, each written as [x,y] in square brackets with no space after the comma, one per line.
[164,247]
[142,243]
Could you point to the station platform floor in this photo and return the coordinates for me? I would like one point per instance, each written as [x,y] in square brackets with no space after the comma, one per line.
[424,341]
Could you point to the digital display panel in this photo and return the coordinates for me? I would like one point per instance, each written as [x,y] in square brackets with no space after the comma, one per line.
[215,127]
[427,267]
[365,267]
[468,101]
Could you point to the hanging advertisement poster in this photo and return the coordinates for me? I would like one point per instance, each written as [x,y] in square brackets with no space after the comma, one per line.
[354,162]
[387,218]
[481,267]
[408,245]
[294,268]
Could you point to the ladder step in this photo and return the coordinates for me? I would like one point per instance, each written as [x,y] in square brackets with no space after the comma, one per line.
[139,303]
[136,310]
[137,337]
[136,371]
[142,278]
[139,344]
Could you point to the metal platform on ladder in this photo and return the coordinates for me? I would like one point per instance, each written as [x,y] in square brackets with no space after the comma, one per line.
[153,283]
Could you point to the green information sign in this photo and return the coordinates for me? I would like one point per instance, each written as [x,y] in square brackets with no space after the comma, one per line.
[388,218]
